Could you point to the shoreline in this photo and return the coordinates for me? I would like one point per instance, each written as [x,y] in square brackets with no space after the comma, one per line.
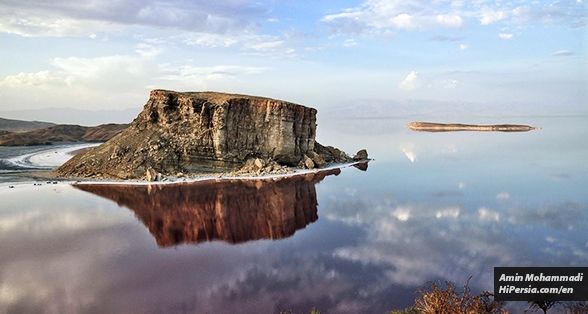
[46,158]
[48,177]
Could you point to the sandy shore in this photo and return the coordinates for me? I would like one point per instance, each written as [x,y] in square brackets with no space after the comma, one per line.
[448,127]
[57,157]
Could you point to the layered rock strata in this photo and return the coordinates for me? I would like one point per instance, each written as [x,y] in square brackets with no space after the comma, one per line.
[233,211]
[206,131]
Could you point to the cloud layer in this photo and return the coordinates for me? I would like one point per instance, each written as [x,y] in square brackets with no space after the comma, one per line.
[375,16]
[63,18]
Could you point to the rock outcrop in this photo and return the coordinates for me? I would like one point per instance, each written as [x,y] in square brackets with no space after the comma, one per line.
[442,127]
[233,211]
[206,131]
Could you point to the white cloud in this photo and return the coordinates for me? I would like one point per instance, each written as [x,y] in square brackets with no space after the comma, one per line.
[505,36]
[350,42]
[411,82]
[488,215]
[502,196]
[376,15]
[463,47]
[110,82]
[558,12]
[490,15]
[82,17]
[43,79]
[451,83]
[200,77]
[51,26]
[252,44]
[100,67]
[147,50]
[561,53]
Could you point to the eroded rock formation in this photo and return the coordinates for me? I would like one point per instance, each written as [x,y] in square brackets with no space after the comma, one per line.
[191,132]
[233,211]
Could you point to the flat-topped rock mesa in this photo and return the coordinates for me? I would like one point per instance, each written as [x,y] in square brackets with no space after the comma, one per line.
[443,127]
[206,131]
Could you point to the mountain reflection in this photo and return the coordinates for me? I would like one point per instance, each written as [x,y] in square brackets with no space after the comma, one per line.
[233,211]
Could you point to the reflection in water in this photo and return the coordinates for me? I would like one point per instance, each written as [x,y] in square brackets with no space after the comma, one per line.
[233,211]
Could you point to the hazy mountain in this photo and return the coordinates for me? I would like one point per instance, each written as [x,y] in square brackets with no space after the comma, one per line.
[21,126]
[74,116]
[378,108]
[62,133]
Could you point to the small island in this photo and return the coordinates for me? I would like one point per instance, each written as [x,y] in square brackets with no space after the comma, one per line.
[450,127]
[184,133]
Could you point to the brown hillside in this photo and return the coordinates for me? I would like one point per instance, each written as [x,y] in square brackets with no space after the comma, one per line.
[62,133]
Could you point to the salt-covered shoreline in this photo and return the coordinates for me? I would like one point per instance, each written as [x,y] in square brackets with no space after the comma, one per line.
[52,158]
[56,158]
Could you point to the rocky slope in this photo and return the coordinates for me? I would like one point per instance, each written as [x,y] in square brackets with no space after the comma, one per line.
[207,131]
[233,211]
[62,133]
[442,127]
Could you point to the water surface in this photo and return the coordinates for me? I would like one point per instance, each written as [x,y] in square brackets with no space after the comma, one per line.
[430,207]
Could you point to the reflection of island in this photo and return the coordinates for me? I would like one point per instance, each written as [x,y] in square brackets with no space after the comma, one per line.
[442,127]
[229,210]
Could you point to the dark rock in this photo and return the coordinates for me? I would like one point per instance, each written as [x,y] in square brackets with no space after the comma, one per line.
[363,166]
[317,159]
[361,155]
[331,154]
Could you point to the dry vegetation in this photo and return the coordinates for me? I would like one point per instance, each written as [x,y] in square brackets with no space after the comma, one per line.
[437,300]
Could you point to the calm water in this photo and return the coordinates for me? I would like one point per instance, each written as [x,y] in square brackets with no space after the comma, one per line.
[430,207]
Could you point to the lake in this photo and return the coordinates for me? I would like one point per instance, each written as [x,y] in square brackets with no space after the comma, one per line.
[438,207]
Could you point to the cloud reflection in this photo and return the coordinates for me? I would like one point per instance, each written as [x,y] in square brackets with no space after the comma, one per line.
[417,242]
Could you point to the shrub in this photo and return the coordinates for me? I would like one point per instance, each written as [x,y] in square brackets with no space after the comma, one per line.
[437,300]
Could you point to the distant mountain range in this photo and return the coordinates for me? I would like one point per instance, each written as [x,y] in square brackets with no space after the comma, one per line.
[73,116]
[380,108]
[9,125]
[26,133]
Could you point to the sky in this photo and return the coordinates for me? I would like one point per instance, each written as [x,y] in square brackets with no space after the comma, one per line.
[108,55]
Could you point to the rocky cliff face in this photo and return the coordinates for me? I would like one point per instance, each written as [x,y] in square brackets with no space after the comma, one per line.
[233,211]
[190,132]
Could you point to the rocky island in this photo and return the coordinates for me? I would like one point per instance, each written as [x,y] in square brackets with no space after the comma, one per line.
[443,127]
[179,133]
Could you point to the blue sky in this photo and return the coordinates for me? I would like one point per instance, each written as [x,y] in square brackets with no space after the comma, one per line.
[109,54]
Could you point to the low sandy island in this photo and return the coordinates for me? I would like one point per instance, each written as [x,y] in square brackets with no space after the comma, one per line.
[443,127]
